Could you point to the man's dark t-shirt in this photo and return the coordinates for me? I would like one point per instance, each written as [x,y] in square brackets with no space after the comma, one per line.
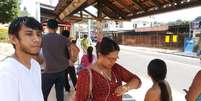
[55,52]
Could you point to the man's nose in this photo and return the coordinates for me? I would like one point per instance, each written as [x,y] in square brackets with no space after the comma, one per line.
[36,38]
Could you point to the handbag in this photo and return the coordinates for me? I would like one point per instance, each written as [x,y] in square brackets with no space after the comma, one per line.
[90,96]
[71,95]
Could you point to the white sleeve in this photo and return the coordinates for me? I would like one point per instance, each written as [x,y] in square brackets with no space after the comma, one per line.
[8,88]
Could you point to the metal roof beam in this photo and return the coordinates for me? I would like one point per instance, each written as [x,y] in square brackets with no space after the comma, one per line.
[162,10]
[105,13]
[100,9]
[115,9]
[140,5]
[89,13]
[157,3]
[127,7]
[75,4]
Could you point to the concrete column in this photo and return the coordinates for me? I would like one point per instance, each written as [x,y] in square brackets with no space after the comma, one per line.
[89,28]
[99,29]
[38,15]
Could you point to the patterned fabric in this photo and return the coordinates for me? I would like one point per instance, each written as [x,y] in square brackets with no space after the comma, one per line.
[85,61]
[103,89]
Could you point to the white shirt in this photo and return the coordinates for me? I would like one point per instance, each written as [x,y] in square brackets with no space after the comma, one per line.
[18,83]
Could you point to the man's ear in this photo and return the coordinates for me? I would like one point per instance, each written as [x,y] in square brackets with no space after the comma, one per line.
[12,39]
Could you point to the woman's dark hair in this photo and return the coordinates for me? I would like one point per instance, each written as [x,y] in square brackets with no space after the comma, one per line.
[157,70]
[52,24]
[65,33]
[74,41]
[107,46]
[89,53]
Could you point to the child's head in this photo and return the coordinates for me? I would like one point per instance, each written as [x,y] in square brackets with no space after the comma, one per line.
[157,69]
[85,36]
[65,33]
[89,50]
[74,41]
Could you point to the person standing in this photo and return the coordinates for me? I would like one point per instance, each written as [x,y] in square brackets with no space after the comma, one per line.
[56,53]
[160,90]
[107,76]
[89,58]
[20,75]
[194,92]
[74,51]
[85,43]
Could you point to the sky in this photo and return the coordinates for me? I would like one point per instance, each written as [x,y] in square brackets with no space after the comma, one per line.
[185,14]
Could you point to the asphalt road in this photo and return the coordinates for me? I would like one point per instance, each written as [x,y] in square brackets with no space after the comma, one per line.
[181,70]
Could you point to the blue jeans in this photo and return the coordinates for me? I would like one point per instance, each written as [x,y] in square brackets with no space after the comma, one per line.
[48,80]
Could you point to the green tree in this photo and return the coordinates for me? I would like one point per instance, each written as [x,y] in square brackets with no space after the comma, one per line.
[198,18]
[8,10]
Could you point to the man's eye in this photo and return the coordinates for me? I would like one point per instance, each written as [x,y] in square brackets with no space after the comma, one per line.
[29,34]
[39,34]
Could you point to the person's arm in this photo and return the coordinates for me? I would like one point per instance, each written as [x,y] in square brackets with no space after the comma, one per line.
[68,51]
[8,88]
[82,44]
[132,81]
[69,47]
[195,88]
[72,51]
[82,86]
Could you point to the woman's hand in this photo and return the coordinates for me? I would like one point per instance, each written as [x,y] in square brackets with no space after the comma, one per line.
[70,63]
[121,90]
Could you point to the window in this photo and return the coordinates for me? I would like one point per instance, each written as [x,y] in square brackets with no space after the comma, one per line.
[134,25]
[121,25]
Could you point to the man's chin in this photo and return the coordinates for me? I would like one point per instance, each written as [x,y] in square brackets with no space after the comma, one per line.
[34,53]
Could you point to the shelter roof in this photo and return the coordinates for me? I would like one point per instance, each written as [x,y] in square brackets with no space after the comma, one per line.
[123,9]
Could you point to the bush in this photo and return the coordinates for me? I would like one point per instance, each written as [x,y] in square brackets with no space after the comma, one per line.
[3,34]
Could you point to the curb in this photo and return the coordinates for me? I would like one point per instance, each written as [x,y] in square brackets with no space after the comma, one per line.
[146,49]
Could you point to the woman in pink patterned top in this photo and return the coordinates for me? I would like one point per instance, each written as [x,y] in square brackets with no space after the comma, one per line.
[88,58]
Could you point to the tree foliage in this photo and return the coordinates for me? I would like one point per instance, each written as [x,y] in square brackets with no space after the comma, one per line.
[198,18]
[8,10]
[178,22]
